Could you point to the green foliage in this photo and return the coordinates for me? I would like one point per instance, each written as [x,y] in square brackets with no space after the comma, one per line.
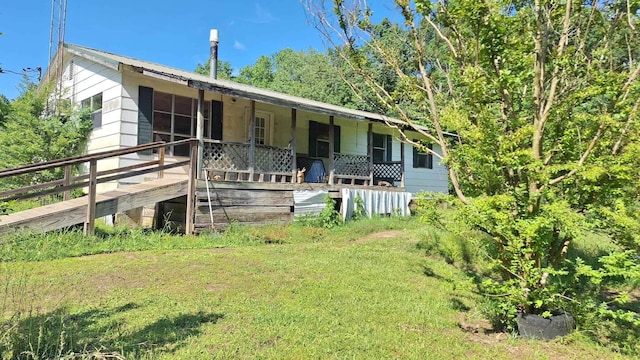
[225,70]
[328,217]
[309,74]
[607,301]
[429,207]
[543,100]
[5,108]
[359,212]
[359,290]
[32,135]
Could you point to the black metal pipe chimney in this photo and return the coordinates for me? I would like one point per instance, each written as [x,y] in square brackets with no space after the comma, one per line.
[213,56]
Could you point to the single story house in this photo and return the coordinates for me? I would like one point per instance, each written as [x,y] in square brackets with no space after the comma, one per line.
[248,134]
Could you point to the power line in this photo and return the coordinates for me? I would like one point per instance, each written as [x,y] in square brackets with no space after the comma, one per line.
[25,72]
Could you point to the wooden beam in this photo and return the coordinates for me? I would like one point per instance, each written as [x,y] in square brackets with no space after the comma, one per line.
[252,139]
[191,188]
[331,149]
[67,181]
[89,224]
[294,163]
[161,153]
[74,211]
[370,152]
[200,131]
[401,163]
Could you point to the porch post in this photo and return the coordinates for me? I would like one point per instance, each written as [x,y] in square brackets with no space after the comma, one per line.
[370,152]
[200,132]
[191,191]
[401,163]
[331,149]
[90,222]
[294,164]
[67,181]
[252,139]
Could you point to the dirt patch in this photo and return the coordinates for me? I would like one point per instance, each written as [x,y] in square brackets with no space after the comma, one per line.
[391,234]
[476,326]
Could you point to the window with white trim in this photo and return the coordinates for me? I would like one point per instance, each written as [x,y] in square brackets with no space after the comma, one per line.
[94,103]
[263,130]
[174,119]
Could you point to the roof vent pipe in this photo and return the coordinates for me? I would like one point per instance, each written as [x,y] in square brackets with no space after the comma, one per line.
[213,56]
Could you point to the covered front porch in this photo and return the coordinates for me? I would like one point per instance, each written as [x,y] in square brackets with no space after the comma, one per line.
[255,161]
[235,161]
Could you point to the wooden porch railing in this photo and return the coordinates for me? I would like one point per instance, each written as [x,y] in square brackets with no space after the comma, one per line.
[233,160]
[352,168]
[94,177]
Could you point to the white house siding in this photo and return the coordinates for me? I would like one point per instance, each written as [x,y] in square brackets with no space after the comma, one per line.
[89,79]
[418,179]
[120,123]
[84,79]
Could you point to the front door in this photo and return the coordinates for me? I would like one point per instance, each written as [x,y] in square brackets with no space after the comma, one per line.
[264,128]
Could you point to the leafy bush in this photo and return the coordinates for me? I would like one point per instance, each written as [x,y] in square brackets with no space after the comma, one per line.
[328,218]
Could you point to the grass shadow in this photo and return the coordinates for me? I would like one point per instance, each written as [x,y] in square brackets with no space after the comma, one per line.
[98,331]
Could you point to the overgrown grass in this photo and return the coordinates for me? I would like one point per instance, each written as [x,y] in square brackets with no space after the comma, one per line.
[375,288]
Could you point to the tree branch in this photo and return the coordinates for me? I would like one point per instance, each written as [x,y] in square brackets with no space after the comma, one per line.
[583,158]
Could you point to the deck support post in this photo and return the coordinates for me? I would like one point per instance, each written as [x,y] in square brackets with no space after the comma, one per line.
[200,132]
[331,149]
[161,153]
[191,187]
[294,163]
[252,139]
[67,181]
[402,164]
[89,224]
[370,153]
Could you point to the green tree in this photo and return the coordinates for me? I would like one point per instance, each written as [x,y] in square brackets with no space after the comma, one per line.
[259,74]
[32,135]
[543,98]
[5,107]
[309,74]
[225,71]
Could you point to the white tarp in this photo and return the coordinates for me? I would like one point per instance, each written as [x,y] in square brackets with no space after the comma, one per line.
[308,202]
[376,202]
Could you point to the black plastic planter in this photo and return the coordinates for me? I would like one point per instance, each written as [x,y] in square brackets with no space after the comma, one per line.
[533,326]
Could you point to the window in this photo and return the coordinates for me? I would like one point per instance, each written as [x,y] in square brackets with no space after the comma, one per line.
[174,119]
[422,160]
[381,148]
[319,139]
[95,104]
[262,131]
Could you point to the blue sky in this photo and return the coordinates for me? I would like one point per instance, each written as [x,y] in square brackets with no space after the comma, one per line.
[173,33]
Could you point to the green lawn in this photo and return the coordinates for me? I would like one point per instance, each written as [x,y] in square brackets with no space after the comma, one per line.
[363,291]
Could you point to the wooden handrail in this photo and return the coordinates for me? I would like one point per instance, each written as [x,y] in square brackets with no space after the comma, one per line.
[93,178]
[25,169]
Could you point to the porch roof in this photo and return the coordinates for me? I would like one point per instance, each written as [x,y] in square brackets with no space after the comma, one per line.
[191,79]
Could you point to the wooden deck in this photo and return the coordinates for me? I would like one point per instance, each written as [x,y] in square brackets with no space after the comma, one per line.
[72,212]
[182,203]
[253,203]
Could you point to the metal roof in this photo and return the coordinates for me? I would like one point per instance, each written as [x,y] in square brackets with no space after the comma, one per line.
[224,86]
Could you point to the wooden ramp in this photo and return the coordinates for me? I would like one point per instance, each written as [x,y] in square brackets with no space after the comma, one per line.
[71,212]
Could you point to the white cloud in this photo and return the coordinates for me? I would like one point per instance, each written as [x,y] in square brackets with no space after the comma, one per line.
[239,46]
[257,15]
[262,15]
